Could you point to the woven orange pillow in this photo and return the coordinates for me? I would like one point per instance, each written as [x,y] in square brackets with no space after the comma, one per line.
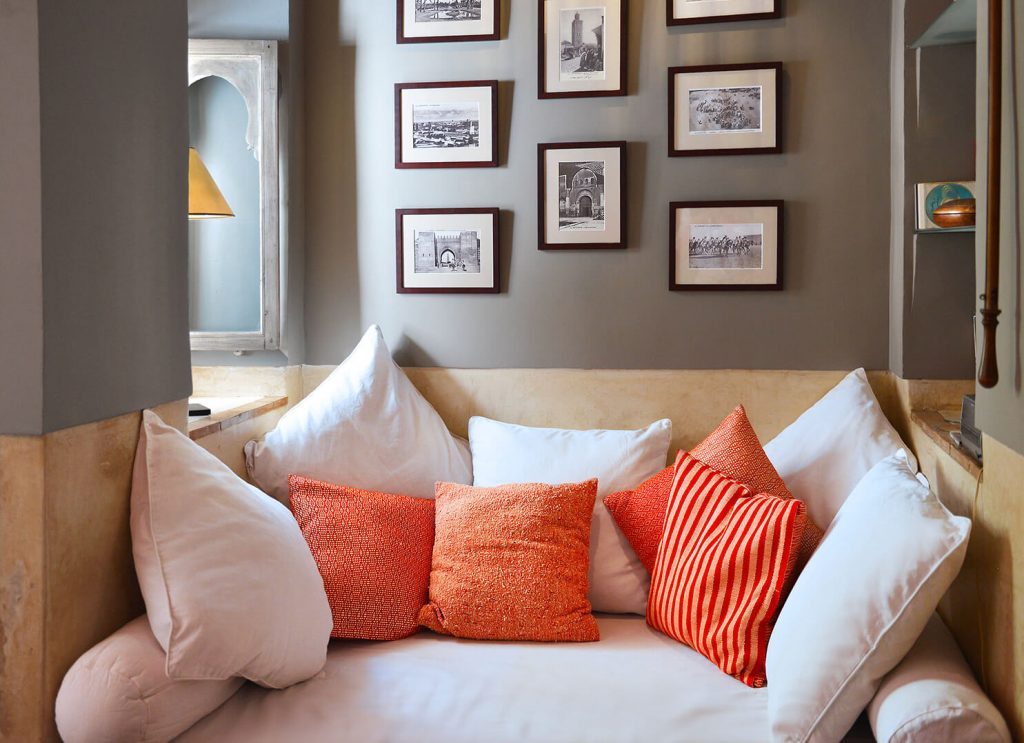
[373,552]
[722,566]
[734,450]
[510,563]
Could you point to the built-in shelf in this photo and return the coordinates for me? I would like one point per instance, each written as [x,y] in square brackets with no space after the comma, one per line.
[945,232]
[938,425]
[228,412]
[957,25]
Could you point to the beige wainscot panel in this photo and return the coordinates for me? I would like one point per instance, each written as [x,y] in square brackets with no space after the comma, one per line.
[65,558]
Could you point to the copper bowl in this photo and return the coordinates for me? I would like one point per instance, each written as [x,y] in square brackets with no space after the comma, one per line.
[955,213]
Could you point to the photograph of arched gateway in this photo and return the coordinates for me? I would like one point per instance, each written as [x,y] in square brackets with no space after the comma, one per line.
[429,11]
[581,196]
[447,251]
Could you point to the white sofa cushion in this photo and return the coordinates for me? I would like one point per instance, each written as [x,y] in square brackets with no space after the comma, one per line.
[231,588]
[861,602]
[933,697]
[505,453]
[119,691]
[827,450]
[366,426]
[634,686]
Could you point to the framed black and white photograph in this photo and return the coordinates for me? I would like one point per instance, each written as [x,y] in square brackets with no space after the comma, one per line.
[725,245]
[446,125]
[725,110]
[447,251]
[690,12]
[424,21]
[582,195]
[581,48]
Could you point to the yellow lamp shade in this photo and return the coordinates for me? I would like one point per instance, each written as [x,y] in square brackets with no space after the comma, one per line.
[205,201]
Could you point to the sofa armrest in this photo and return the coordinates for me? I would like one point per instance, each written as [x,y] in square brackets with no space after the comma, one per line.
[119,691]
[932,695]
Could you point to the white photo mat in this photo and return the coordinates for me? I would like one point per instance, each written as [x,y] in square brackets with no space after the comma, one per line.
[682,9]
[553,82]
[612,232]
[765,137]
[413,29]
[424,96]
[481,223]
[687,217]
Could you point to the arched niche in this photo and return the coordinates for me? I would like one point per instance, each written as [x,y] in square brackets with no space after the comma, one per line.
[251,68]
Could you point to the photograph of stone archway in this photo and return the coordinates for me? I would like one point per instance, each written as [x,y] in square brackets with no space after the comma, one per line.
[581,205]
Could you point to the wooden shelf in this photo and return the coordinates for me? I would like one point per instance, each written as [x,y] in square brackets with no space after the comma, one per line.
[228,412]
[938,427]
[952,230]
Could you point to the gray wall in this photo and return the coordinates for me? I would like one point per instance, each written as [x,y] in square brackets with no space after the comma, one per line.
[112,134]
[605,309]
[276,20]
[1001,409]
[934,285]
[21,258]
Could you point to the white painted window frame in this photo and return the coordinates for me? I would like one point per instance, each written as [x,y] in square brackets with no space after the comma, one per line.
[251,67]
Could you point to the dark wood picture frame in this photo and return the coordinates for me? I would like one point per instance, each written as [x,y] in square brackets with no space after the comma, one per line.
[542,150]
[492,162]
[675,206]
[401,214]
[544,94]
[697,69]
[735,18]
[400,37]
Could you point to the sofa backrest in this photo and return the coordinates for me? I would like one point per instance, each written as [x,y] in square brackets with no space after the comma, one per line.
[696,401]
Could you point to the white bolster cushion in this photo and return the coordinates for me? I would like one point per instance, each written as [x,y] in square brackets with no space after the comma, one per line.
[119,691]
[932,695]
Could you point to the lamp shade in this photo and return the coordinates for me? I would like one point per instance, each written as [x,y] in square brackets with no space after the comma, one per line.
[205,201]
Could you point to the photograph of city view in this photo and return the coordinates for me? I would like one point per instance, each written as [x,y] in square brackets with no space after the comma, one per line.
[446,125]
[428,11]
[582,43]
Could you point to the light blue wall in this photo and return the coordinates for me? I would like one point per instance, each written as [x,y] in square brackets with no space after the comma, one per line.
[224,254]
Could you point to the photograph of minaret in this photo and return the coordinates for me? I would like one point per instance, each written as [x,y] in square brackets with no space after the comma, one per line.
[582,43]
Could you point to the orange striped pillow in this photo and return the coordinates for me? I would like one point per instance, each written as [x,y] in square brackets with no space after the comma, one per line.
[722,564]
[734,450]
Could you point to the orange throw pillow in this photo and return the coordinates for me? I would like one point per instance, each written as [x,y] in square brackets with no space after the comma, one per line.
[722,567]
[373,552]
[510,563]
[734,450]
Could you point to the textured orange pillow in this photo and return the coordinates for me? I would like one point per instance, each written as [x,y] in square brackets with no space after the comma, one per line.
[734,450]
[510,563]
[373,552]
[722,566]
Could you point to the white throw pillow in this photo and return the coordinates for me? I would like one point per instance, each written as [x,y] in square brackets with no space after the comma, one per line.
[119,691]
[230,586]
[933,697]
[504,453]
[861,602]
[827,450]
[366,427]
